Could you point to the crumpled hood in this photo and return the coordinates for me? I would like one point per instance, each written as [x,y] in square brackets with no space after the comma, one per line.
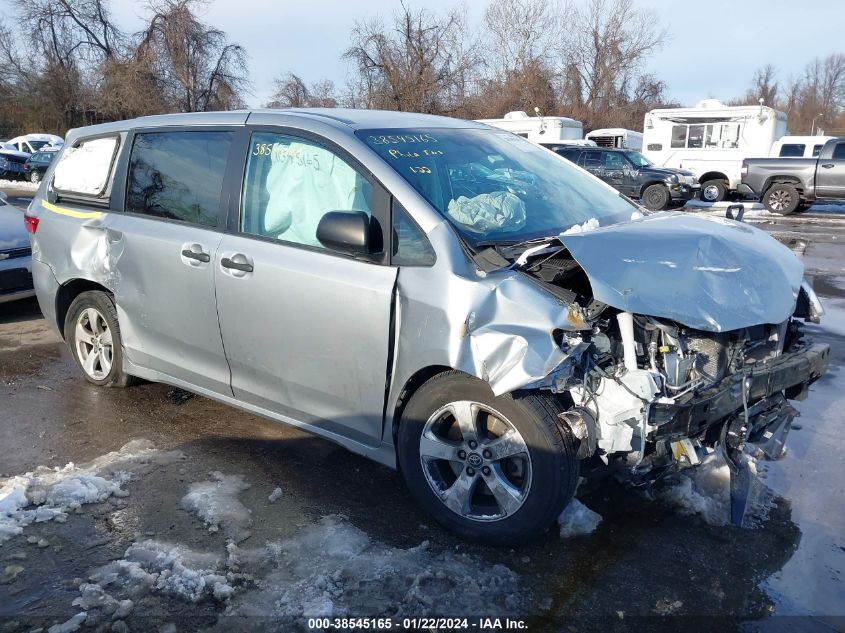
[708,273]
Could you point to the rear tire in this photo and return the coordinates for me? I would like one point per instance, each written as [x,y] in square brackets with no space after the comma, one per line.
[471,479]
[93,335]
[782,198]
[656,197]
[714,190]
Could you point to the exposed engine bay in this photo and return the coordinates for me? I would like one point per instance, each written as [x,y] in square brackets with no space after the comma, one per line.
[652,394]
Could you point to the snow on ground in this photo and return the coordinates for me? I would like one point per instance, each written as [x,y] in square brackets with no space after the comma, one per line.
[216,503]
[577,520]
[332,568]
[18,184]
[47,494]
[704,491]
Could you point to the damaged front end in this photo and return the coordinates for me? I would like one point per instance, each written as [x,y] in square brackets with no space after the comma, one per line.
[691,339]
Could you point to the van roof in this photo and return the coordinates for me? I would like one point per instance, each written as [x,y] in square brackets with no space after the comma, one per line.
[340,118]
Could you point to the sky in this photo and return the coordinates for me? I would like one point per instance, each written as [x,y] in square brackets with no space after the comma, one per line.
[712,51]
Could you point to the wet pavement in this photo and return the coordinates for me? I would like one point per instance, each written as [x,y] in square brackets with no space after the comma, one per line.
[648,565]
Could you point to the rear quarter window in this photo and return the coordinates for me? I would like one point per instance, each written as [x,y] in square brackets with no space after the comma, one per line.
[85,168]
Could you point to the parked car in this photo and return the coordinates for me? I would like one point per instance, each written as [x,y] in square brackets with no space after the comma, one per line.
[11,163]
[37,164]
[31,143]
[632,174]
[15,254]
[785,185]
[426,292]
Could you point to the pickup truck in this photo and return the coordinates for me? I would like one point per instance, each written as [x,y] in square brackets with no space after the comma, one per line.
[786,185]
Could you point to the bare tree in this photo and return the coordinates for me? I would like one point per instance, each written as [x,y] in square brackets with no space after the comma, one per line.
[291,92]
[522,33]
[418,65]
[197,67]
[606,45]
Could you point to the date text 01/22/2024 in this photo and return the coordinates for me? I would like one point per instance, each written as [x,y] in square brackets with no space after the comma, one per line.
[419,623]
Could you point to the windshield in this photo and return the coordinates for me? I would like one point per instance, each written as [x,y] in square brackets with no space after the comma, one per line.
[494,186]
[638,159]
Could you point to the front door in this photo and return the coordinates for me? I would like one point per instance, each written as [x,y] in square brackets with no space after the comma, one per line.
[830,174]
[306,329]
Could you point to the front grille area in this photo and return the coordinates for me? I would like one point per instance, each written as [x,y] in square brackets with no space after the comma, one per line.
[15,253]
[15,280]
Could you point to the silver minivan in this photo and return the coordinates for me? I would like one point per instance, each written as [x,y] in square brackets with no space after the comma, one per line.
[441,296]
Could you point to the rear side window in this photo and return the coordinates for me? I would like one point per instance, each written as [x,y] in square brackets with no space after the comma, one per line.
[839,151]
[792,150]
[84,169]
[679,136]
[178,175]
[817,149]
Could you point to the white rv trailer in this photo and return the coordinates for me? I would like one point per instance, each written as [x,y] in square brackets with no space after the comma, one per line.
[616,137]
[711,140]
[540,129]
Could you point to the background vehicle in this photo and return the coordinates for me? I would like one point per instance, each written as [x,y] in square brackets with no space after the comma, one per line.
[11,163]
[797,146]
[37,164]
[15,254]
[711,140]
[617,137]
[630,173]
[785,185]
[539,129]
[31,143]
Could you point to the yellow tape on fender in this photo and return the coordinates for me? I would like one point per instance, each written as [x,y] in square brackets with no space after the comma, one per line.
[83,215]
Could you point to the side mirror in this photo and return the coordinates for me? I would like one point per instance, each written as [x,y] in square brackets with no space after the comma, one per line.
[739,209]
[347,231]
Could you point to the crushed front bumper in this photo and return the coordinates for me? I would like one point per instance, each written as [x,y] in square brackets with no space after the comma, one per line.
[791,373]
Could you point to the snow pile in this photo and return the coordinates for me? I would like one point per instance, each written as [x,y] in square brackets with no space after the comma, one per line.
[47,494]
[216,503]
[577,520]
[70,626]
[590,225]
[704,490]
[334,569]
[275,495]
[158,567]
[18,184]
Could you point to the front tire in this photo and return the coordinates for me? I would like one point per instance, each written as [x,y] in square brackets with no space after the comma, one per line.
[782,198]
[714,190]
[34,177]
[93,335]
[492,469]
[656,197]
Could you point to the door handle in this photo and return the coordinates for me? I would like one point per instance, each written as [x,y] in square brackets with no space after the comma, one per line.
[229,263]
[200,257]
[827,165]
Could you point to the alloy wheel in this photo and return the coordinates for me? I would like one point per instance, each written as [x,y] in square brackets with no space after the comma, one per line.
[476,461]
[93,341]
[710,193]
[779,200]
